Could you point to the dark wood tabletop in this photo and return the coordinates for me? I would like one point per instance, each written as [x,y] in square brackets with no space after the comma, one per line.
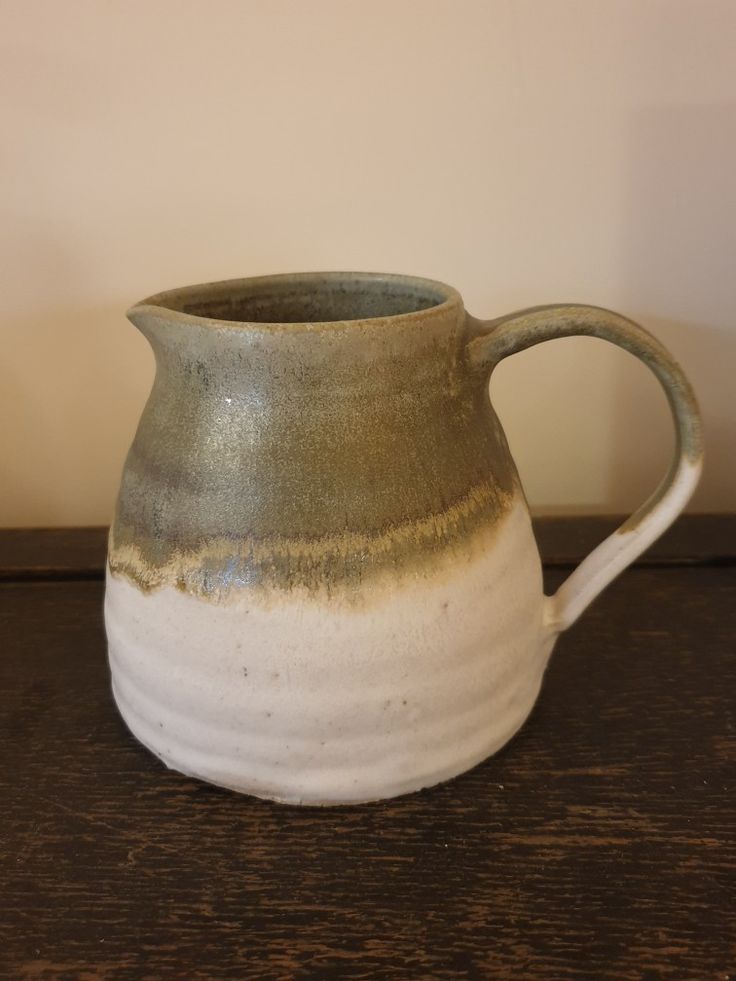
[600,843]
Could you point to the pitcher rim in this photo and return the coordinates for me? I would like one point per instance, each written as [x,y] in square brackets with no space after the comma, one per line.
[167,303]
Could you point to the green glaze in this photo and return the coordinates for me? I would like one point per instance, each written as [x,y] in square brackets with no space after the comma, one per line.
[497,339]
[308,431]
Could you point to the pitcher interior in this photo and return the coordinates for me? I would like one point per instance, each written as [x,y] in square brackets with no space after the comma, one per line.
[306,298]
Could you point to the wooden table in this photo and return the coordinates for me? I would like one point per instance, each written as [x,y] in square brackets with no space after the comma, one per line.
[598,844]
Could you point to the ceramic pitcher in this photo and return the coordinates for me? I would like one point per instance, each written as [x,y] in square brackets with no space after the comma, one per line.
[322,582]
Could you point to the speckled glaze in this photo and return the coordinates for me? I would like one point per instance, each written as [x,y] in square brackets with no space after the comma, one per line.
[322,582]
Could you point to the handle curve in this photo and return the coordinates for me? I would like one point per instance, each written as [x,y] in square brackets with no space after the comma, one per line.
[493,340]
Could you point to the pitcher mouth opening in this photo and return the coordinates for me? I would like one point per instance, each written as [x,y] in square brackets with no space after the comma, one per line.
[306,298]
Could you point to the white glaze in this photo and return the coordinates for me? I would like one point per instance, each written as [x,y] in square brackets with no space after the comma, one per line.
[320,702]
[620,549]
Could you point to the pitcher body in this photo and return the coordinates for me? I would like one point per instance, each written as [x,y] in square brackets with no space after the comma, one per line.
[322,584]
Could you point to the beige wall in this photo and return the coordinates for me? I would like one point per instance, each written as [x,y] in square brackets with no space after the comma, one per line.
[525,152]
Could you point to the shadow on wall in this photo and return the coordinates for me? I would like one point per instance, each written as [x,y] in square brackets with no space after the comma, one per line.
[678,260]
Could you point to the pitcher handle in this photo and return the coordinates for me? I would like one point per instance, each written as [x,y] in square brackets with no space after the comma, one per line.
[494,340]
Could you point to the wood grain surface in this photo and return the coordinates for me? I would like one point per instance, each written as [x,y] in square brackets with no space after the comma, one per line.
[600,843]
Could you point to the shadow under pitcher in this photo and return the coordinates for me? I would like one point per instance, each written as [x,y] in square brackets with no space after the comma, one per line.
[322,582]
